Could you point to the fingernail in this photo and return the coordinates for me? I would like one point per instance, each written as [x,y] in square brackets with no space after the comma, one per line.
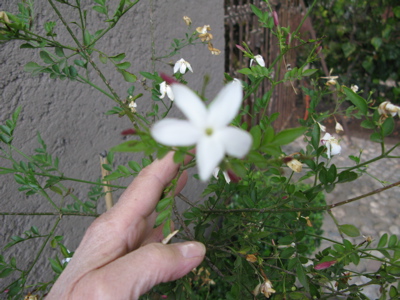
[192,249]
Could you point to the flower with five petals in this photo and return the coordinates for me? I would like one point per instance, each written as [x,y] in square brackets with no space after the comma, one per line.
[181,66]
[207,127]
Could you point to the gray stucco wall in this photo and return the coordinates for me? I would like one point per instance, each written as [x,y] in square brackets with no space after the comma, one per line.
[70,116]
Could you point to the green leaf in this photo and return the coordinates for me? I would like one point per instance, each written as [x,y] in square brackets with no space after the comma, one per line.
[55,265]
[87,37]
[46,57]
[348,48]
[368,124]
[134,166]
[129,77]
[315,136]
[118,57]
[103,58]
[388,126]
[256,134]
[26,46]
[162,216]
[349,230]
[256,11]
[309,72]
[80,63]
[392,241]
[376,137]
[288,135]
[357,100]
[123,66]
[302,276]
[60,52]
[382,241]
[130,146]
[376,42]
[6,272]
[162,205]
[32,66]
[100,9]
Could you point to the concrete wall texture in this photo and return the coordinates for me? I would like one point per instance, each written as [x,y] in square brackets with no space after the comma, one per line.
[70,115]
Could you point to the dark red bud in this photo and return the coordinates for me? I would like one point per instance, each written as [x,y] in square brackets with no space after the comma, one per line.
[240,48]
[129,131]
[168,79]
[287,159]
[325,265]
[318,50]
[276,19]
[234,178]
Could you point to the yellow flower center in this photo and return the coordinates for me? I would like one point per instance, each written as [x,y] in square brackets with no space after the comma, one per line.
[209,131]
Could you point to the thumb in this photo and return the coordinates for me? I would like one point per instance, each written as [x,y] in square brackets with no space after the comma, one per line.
[138,271]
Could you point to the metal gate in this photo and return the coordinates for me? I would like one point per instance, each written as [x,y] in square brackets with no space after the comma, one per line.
[242,25]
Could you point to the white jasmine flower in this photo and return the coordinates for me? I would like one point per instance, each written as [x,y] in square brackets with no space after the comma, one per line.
[331,79]
[204,35]
[259,59]
[166,89]
[386,108]
[332,145]
[265,288]
[181,66]
[338,127]
[132,105]
[187,20]
[225,173]
[295,165]
[354,88]
[322,127]
[206,127]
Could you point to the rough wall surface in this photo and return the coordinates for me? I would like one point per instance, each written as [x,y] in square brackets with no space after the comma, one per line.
[70,115]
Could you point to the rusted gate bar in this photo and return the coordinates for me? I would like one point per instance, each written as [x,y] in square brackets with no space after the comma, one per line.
[242,25]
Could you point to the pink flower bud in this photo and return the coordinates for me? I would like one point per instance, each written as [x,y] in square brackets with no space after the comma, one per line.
[129,131]
[276,19]
[240,48]
[168,79]
[325,265]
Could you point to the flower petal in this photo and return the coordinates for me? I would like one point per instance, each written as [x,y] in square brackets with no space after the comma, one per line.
[236,141]
[178,64]
[182,69]
[170,93]
[190,104]
[209,154]
[226,105]
[335,148]
[172,132]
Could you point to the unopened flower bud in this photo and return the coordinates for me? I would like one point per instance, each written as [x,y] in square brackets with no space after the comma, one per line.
[325,265]
[276,19]
[338,127]
[354,88]
[4,17]
[240,48]
[129,131]
[187,20]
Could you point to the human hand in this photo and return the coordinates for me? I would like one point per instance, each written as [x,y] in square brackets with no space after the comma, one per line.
[120,255]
